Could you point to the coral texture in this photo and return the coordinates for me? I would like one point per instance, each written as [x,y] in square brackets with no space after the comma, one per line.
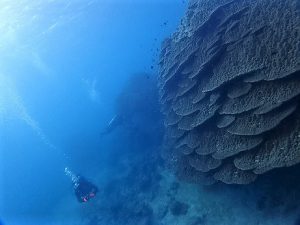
[229,89]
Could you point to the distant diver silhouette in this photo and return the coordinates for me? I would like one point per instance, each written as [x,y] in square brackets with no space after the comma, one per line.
[115,122]
[84,190]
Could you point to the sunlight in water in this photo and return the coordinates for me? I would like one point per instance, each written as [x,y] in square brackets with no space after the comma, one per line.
[14,17]
[12,107]
[11,104]
[26,22]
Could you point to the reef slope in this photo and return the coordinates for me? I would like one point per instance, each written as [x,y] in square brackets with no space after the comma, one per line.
[229,89]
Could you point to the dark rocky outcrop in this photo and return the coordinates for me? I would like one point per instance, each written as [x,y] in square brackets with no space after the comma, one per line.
[130,172]
[179,208]
[229,89]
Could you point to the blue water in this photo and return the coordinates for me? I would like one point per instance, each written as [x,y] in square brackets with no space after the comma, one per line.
[63,65]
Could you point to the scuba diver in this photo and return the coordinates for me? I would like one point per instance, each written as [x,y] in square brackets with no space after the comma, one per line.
[115,122]
[84,190]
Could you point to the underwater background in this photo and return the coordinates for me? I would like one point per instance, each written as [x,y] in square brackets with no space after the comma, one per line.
[63,64]
[70,69]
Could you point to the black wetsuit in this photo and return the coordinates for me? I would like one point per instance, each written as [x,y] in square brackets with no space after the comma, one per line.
[84,190]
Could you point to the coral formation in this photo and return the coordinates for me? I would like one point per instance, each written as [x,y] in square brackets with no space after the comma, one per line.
[178,208]
[130,173]
[229,90]
[138,106]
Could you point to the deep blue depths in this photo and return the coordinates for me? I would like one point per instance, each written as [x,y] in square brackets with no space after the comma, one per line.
[63,63]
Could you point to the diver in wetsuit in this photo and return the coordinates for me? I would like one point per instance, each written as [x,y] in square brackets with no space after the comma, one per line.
[115,122]
[84,190]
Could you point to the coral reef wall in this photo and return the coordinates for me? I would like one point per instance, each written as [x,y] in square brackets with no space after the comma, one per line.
[229,90]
